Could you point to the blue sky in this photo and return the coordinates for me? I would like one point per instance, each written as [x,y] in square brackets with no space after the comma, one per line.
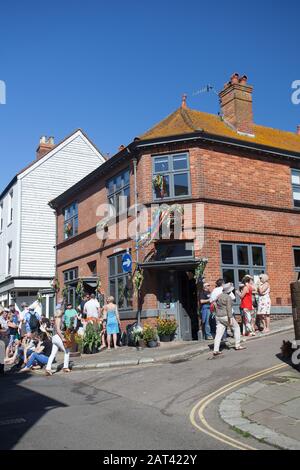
[114,68]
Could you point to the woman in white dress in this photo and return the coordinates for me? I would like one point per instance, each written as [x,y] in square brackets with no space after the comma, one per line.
[264,302]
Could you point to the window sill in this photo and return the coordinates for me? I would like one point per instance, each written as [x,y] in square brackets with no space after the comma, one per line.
[174,198]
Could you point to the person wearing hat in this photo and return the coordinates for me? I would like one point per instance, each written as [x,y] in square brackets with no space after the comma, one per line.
[225,318]
[264,302]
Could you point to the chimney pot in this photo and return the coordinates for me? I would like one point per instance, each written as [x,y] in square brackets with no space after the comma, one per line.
[243,80]
[298,130]
[183,102]
[45,145]
[234,78]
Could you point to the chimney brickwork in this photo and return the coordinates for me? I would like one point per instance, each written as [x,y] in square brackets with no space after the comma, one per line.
[236,104]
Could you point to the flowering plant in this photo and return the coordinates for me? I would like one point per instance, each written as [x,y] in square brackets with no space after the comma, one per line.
[166,326]
[149,333]
[137,333]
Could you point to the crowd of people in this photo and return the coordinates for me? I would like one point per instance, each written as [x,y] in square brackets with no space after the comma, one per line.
[30,341]
[218,313]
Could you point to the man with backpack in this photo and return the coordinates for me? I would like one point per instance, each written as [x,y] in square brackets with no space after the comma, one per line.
[32,321]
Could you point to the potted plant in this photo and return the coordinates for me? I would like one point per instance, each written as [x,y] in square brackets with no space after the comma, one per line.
[68,229]
[158,183]
[137,335]
[150,336]
[91,339]
[166,328]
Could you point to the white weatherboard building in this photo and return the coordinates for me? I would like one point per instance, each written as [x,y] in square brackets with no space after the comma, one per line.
[28,224]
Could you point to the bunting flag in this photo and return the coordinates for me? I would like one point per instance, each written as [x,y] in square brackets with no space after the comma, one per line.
[151,233]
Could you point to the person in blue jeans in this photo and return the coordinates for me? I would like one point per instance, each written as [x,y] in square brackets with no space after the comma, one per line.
[205,311]
[41,354]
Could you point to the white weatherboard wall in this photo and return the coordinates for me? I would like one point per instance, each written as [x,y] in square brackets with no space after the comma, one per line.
[51,177]
[9,233]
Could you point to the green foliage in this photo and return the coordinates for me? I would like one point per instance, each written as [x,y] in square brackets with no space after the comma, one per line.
[92,337]
[149,333]
[199,271]
[138,279]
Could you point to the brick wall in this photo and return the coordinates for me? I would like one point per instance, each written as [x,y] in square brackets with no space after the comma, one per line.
[231,185]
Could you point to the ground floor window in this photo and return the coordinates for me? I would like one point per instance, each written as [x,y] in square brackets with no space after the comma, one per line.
[297,261]
[120,283]
[239,259]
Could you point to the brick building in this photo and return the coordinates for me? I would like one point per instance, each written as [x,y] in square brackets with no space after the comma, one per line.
[246,178]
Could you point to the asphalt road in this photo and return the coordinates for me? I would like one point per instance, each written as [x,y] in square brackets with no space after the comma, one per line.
[134,408]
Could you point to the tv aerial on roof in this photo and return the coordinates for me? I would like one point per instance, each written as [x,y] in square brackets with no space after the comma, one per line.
[205,89]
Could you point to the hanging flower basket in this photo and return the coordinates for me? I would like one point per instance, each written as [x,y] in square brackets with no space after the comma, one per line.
[80,289]
[98,286]
[199,271]
[55,284]
[138,279]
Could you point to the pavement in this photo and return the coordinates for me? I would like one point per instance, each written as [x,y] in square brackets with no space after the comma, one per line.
[268,410]
[166,352]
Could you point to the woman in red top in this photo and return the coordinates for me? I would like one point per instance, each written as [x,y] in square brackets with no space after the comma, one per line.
[247,306]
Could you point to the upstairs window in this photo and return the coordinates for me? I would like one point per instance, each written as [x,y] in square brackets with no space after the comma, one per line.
[9,258]
[10,207]
[118,186]
[71,220]
[296,187]
[171,176]
[70,275]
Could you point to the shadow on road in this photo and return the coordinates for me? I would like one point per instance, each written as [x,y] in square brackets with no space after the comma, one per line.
[20,409]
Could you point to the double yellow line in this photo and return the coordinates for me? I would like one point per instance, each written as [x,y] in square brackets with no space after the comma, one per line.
[197,412]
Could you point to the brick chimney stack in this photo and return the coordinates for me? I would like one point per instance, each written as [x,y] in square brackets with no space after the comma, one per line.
[298,130]
[236,104]
[46,144]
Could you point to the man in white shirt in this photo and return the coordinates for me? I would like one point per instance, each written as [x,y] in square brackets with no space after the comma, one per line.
[217,290]
[92,307]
